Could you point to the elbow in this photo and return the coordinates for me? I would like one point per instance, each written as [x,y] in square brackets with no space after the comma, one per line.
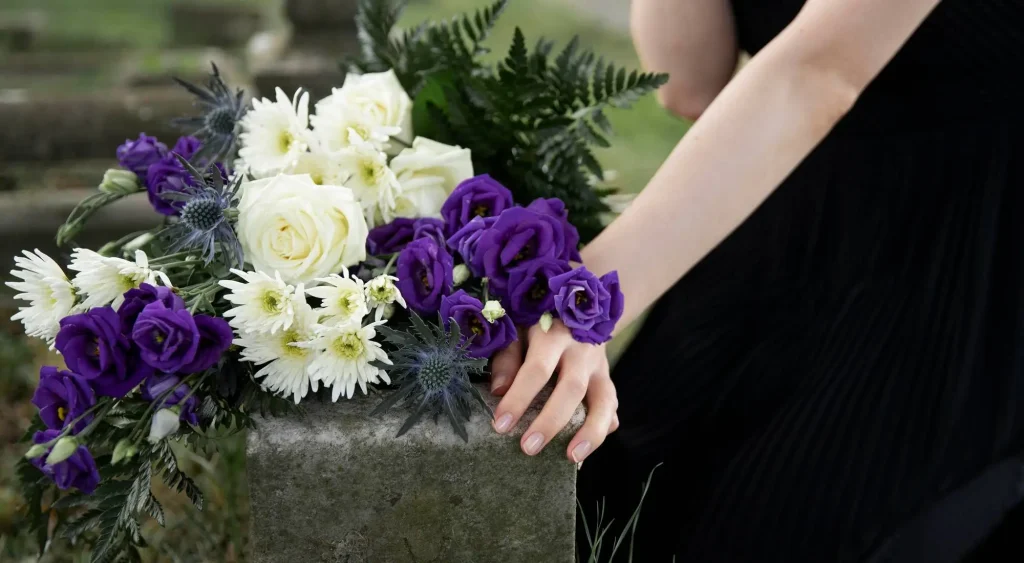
[685,102]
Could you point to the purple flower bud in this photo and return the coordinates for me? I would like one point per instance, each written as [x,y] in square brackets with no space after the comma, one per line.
[139,154]
[167,337]
[135,300]
[62,397]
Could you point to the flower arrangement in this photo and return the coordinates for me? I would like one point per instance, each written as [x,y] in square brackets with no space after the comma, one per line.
[371,244]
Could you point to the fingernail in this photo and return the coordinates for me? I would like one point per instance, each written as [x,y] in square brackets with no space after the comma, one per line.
[580,451]
[497,383]
[533,443]
[503,424]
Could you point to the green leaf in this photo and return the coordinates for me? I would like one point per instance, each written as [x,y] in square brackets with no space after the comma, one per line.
[431,93]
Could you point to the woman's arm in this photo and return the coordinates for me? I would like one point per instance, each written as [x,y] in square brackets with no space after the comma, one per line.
[694,41]
[769,117]
[776,110]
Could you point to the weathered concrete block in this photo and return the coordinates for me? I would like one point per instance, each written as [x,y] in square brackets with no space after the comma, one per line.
[337,486]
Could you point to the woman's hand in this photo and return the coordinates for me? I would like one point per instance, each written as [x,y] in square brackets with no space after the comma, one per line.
[583,375]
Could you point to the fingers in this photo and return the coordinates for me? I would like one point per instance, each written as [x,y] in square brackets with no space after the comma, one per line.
[601,418]
[559,408]
[505,365]
[542,357]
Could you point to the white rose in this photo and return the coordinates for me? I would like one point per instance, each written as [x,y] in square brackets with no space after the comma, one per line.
[428,173]
[367,108]
[303,231]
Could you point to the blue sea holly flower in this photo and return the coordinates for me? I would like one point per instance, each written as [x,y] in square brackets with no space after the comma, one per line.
[217,125]
[431,365]
[204,223]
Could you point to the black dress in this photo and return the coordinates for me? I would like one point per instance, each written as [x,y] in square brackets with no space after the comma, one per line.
[846,371]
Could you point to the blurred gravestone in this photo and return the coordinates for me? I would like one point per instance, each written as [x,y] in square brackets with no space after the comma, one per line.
[206,23]
[20,31]
[323,32]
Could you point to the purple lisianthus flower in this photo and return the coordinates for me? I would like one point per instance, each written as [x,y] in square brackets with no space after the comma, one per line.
[390,238]
[424,275]
[465,240]
[78,471]
[519,236]
[62,397]
[139,154]
[166,176]
[429,227]
[485,338]
[135,300]
[167,337]
[94,347]
[556,208]
[169,389]
[529,295]
[588,305]
[215,338]
[480,196]
[187,147]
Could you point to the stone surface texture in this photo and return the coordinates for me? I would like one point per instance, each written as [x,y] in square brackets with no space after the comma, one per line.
[337,486]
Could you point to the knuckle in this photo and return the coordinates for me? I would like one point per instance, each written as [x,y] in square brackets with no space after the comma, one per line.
[575,385]
[537,368]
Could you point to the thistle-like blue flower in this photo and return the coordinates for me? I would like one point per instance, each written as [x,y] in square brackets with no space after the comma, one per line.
[432,369]
[217,125]
[207,204]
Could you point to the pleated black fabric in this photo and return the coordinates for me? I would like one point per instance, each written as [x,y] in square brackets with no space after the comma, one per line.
[853,354]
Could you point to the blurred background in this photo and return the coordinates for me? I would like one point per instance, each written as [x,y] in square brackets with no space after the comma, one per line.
[78,77]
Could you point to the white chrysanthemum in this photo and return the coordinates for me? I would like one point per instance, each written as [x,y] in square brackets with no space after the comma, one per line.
[368,108]
[275,134]
[344,356]
[324,169]
[338,125]
[50,294]
[285,363]
[343,299]
[373,183]
[381,291]
[105,279]
[264,303]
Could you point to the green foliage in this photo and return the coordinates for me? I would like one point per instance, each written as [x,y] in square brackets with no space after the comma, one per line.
[532,121]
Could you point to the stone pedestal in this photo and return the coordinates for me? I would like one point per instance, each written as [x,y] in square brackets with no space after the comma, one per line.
[323,32]
[337,485]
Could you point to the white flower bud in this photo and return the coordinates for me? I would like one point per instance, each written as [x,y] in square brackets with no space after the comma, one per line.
[35,451]
[493,311]
[120,182]
[165,422]
[381,291]
[64,449]
[460,274]
[123,450]
[545,321]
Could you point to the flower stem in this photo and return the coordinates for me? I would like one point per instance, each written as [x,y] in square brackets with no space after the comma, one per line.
[391,262]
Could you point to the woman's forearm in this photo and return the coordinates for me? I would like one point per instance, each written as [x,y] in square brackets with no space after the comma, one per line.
[776,110]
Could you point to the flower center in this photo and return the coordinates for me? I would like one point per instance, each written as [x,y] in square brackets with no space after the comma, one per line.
[348,346]
[284,141]
[425,280]
[271,302]
[290,337]
[476,326]
[525,251]
[361,131]
[94,349]
[62,413]
[538,292]
[159,337]
[370,172]
[221,121]
[433,375]
[128,281]
[202,214]
[581,299]
[481,210]
[349,302]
